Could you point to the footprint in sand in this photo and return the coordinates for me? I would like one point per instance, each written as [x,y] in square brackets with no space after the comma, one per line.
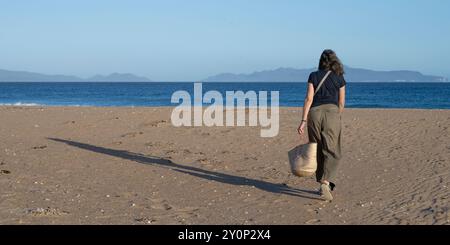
[68,122]
[159,144]
[313,210]
[312,221]
[46,212]
[168,152]
[189,152]
[250,158]
[160,204]
[185,213]
[152,144]
[145,220]
[179,213]
[154,123]
[4,171]
[39,147]
[131,135]
[203,161]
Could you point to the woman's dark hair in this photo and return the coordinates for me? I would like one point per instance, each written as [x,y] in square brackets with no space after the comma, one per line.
[330,61]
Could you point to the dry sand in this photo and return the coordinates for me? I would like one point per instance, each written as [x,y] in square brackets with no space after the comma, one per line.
[130,166]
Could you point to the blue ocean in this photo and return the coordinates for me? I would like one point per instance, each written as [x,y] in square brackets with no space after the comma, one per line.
[359,95]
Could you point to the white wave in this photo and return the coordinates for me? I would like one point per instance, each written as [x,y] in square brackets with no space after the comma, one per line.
[20,104]
[60,105]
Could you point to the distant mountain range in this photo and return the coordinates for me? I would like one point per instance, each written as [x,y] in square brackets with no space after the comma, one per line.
[118,77]
[24,76]
[278,75]
[301,75]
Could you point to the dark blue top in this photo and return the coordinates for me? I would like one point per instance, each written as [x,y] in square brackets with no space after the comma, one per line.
[329,92]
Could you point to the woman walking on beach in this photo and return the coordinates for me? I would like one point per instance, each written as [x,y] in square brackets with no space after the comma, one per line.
[322,113]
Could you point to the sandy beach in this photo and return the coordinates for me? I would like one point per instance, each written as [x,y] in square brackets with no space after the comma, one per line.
[92,165]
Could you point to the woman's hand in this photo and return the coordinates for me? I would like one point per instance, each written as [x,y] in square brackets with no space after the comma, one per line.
[301,128]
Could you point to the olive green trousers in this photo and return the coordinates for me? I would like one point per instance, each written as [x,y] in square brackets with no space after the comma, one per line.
[324,128]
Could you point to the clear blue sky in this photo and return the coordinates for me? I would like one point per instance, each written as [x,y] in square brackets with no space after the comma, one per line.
[171,40]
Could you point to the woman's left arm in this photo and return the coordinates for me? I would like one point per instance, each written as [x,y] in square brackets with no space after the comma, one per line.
[306,107]
[341,99]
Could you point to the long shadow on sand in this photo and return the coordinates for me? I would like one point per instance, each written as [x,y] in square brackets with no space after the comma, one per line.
[193,171]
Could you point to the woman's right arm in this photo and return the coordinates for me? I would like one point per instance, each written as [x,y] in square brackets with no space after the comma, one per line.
[341,99]
[306,107]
